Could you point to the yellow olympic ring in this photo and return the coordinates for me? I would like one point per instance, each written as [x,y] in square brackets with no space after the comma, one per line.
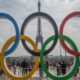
[5,47]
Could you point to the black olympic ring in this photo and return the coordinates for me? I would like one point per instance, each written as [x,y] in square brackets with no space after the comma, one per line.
[51,20]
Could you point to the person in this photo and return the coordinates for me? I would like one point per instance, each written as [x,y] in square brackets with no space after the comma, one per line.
[14,67]
[26,67]
[0,72]
[23,68]
[40,70]
[58,68]
[63,68]
[47,64]
[29,66]
[75,75]
[9,66]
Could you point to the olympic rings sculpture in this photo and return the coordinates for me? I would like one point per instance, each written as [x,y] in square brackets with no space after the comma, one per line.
[35,52]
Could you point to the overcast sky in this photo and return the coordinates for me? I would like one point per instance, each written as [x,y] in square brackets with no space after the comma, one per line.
[57,9]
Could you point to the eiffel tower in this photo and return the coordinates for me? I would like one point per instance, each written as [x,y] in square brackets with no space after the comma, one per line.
[39,38]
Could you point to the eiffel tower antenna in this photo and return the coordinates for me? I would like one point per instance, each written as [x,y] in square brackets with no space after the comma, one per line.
[39,5]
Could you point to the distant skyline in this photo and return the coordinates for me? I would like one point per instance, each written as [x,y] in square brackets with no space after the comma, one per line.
[57,9]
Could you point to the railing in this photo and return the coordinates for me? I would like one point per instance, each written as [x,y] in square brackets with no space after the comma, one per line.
[36,77]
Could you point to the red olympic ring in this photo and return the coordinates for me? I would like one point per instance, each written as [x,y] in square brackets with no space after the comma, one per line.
[61,32]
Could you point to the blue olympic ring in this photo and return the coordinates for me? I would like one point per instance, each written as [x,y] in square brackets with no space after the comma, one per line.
[13,47]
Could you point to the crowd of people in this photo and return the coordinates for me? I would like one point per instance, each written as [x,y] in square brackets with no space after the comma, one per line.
[61,68]
[26,67]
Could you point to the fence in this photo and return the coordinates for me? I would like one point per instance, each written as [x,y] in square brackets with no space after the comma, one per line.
[36,75]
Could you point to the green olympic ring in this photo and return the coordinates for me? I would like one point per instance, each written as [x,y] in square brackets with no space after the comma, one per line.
[75,67]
